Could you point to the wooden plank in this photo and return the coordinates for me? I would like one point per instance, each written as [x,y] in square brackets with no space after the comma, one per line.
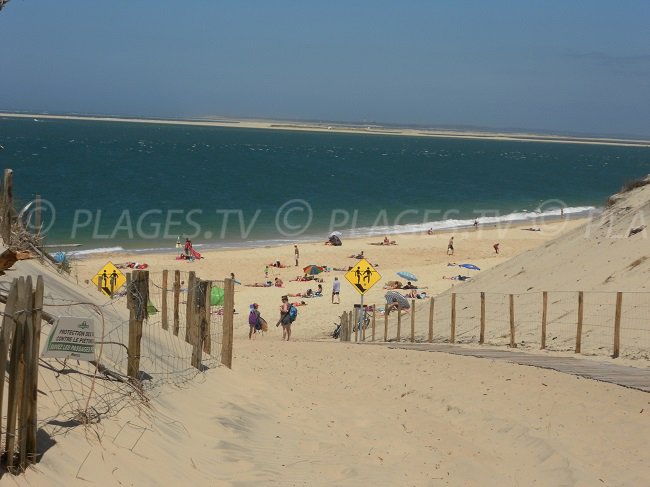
[7,335]
[581,303]
[412,320]
[177,298]
[374,313]
[481,338]
[385,326]
[513,343]
[228,319]
[190,306]
[196,333]
[617,325]
[544,318]
[399,324]
[163,302]
[8,206]
[452,325]
[207,332]
[431,311]
[15,381]
[32,443]
[139,294]
[28,364]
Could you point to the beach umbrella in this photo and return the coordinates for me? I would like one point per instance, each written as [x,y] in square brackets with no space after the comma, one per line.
[471,267]
[312,270]
[336,234]
[402,301]
[407,275]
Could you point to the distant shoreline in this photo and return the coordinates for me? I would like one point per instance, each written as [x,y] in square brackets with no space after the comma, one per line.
[349,129]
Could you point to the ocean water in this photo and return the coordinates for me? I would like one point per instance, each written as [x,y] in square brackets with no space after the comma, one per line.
[125,185]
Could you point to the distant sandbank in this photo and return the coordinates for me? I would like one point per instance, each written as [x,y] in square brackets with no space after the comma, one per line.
[349,129]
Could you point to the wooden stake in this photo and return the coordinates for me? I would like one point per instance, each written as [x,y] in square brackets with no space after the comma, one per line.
[412,320]
[138,292]
[228,321]
[177,299]
[431,310]
[15,381]
[8,206]
[481,338]
[385,326]
[28,364]
[38,219]
[32,444]
[544,317]
[207,333]
[399,325]
[7,335]
[617,325]
[374,313]
[452,331]
[163,303]
[512,321]
[579,327]
[190,306]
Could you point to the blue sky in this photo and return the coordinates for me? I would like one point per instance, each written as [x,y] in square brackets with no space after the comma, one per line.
[555,65]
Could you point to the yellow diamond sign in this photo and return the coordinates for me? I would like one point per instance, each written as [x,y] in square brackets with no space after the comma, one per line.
[109,279]
[363,276]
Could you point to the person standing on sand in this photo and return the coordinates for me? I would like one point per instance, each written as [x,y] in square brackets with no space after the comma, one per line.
[450,246]
[336,290]
[266,272]
[285,319]
[496,247]
[296,252]
[254,321]
[475,224]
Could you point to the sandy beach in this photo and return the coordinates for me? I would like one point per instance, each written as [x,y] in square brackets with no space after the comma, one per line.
[315,411]
[420,254]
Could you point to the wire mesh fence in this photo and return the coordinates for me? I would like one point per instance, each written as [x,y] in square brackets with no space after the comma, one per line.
[590,323]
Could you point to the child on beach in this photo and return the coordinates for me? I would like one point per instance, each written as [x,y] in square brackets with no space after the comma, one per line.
[450,246]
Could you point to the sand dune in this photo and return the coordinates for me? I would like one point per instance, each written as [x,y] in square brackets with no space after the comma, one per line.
[319,412]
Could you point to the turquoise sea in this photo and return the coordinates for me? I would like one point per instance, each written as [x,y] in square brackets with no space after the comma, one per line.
[140,186]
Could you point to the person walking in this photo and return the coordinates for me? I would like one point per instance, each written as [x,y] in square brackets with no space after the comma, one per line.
[450,246]
[296,253]
[336,290]
[254,321]
[496,247]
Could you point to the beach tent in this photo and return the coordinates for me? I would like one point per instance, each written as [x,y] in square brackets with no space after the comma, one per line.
[216,296]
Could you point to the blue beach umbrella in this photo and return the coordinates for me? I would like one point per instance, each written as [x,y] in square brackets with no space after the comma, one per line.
[471,267]
[407,275]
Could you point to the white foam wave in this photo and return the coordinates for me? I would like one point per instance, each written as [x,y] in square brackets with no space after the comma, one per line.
[100,250]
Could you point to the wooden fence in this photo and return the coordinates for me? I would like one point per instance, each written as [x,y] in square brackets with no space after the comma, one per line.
[197,316]
[19,358]
[582,322]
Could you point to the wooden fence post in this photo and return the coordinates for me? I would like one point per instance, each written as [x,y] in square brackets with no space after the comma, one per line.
[196,333]
[399,324]
[617,325]
[38,218]
[385,326]
[452,331]
[481,338]
[544,317]
[7,335]
[356,326]
[8,206]
[207,332]
[190,306]
[177,299]
[15,379]
[431,310]
[28,364]
[138,298]
[412,320]
[579,327]
[374,313]
[228,322]
[32,420]
[163,302]
[512,321]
